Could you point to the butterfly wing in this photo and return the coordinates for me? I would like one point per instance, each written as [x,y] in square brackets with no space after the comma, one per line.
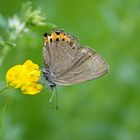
[69,63]
[59,51]
[89,66]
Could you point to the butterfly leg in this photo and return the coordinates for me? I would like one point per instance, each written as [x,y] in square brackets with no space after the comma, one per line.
[50,102]
[56,100]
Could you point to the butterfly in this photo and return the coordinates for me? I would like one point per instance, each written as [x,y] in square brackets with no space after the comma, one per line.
[66,62]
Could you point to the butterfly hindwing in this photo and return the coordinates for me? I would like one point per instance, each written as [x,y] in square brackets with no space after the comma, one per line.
[89,66]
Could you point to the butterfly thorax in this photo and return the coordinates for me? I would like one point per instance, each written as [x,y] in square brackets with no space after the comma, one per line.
[47,77]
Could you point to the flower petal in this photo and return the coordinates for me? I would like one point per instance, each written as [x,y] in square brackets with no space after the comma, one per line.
[13,75]
[31,88]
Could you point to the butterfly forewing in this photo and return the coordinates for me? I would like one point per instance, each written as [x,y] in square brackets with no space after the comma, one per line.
[59,52]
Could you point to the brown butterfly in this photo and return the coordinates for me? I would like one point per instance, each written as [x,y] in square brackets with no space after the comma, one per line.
[68,63]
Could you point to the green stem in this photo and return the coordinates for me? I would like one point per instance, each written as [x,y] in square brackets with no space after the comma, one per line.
[3,115]
[3,89]
[3,54]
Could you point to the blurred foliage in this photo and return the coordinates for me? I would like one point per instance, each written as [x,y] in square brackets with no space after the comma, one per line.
[104,109]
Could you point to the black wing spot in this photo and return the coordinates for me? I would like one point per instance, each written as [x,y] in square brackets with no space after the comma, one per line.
[45,35]
[57,32]
[63,39]
[57,39]
[51,40]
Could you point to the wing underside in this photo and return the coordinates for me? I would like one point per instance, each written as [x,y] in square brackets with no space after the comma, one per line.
[68,62]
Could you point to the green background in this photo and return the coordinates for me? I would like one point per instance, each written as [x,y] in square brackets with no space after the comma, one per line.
[105,109]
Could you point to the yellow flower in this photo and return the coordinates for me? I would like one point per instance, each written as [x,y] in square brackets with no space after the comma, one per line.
[25,76]
[31,88]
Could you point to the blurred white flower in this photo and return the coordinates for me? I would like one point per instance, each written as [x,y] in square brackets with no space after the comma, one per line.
[15,24]
[16,27]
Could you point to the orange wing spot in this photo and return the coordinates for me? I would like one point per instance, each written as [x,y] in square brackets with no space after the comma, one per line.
[56,37]
[59,36]
[64,37]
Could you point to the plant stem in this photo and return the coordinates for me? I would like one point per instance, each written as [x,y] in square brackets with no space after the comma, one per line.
[3,114]
[3,89]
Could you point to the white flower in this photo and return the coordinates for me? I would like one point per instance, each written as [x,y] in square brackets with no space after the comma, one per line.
[16,26]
